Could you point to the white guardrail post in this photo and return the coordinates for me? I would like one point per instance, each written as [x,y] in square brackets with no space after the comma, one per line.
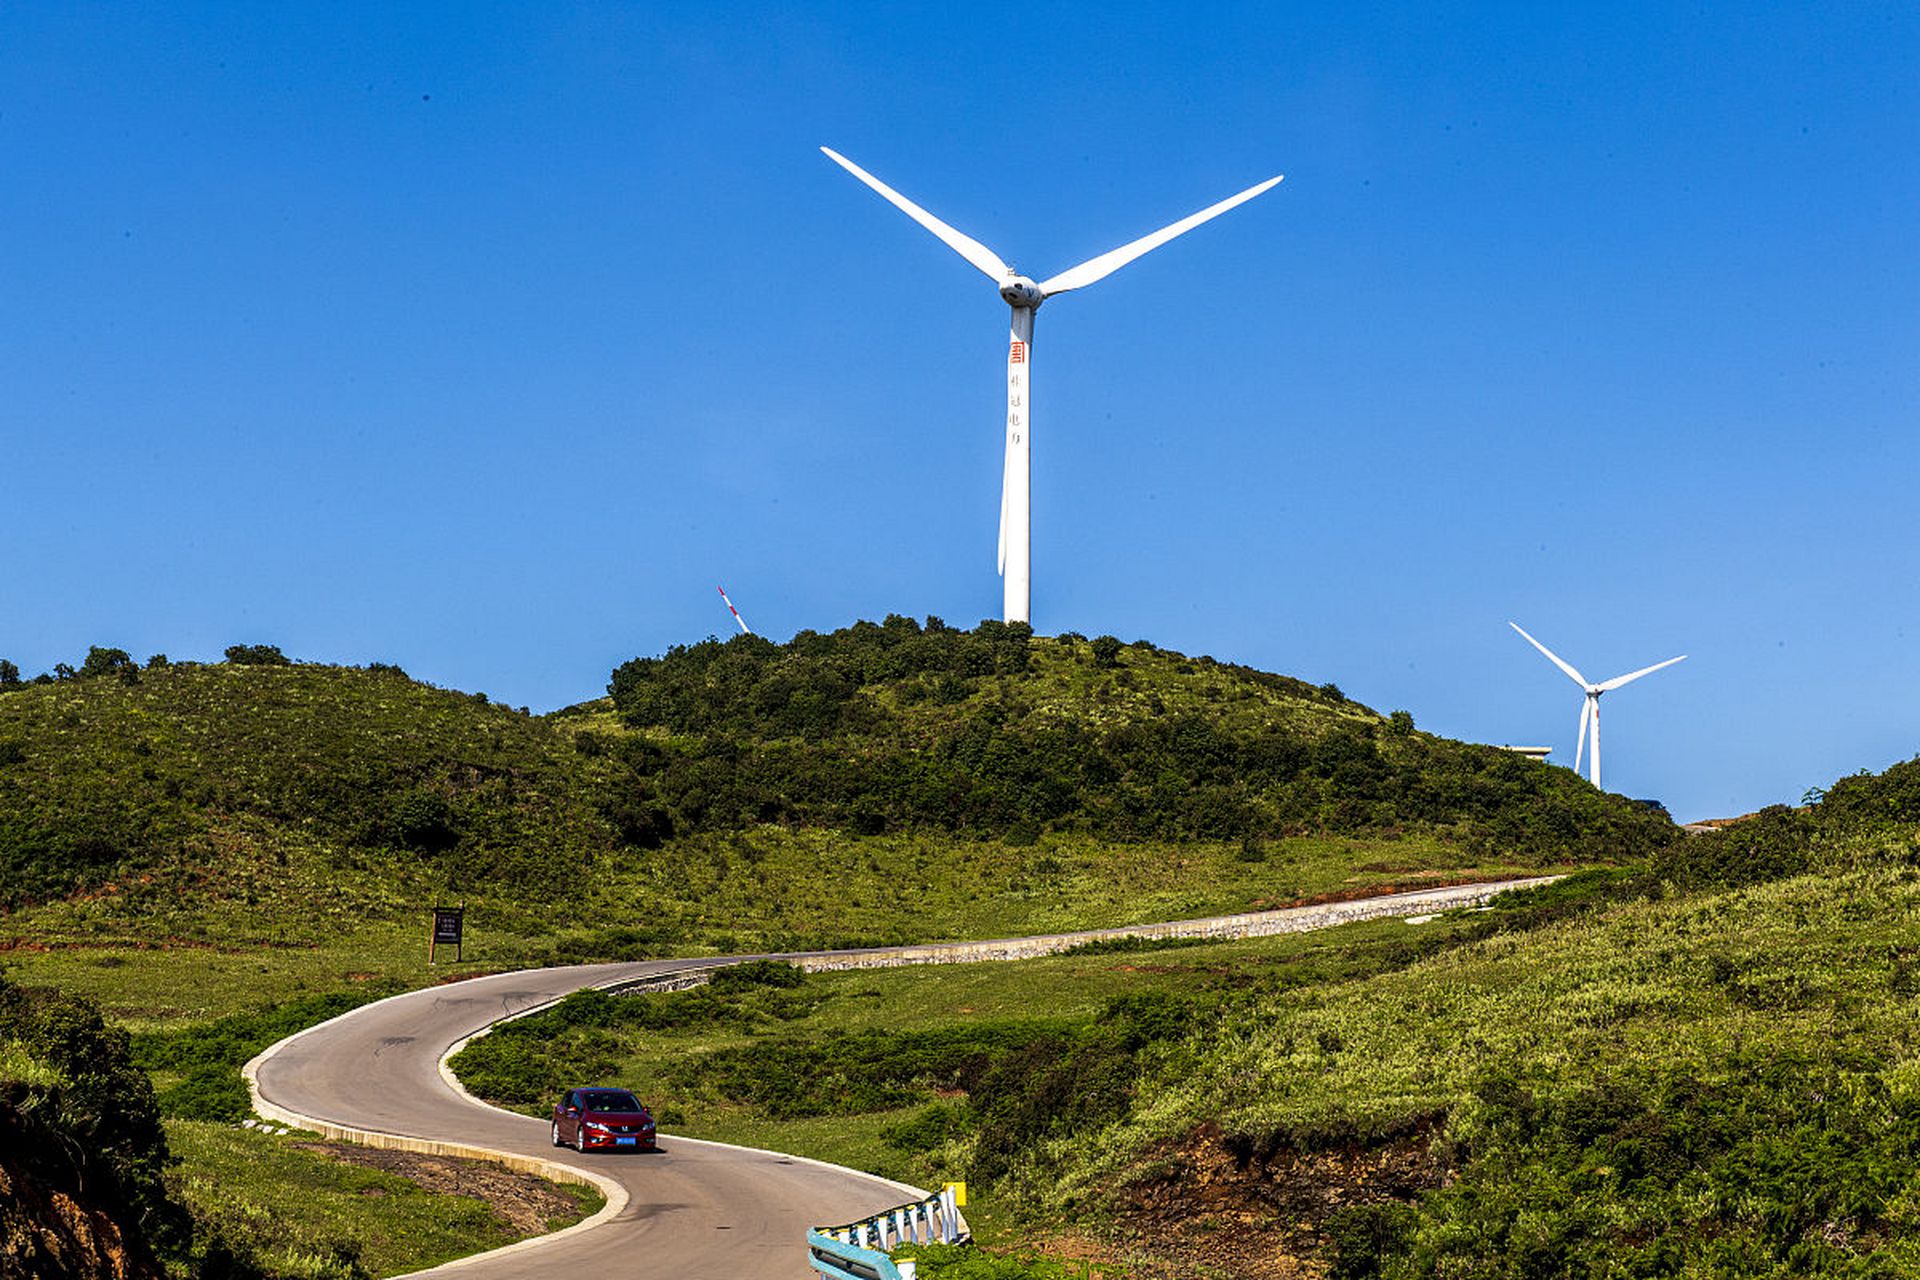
[858,1250]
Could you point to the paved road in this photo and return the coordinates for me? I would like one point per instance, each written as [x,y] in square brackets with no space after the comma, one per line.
[695,1211]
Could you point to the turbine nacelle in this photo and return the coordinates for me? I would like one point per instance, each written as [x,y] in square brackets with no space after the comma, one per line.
[1022,291]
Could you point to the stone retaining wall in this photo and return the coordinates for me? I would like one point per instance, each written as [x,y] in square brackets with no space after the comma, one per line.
[1251,924]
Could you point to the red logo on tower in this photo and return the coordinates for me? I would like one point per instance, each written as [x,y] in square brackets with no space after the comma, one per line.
[1018,355]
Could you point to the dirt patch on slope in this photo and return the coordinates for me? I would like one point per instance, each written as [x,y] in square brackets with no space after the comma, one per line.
[1211,1204]
[524,1202]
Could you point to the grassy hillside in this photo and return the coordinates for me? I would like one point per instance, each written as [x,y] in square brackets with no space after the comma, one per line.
[887,783]
[1711,1070]
[881,1068]
[1701,1062]
[208,776]
[996,732]
[1706,1067]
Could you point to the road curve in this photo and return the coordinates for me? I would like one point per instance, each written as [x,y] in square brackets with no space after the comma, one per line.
[694,1211]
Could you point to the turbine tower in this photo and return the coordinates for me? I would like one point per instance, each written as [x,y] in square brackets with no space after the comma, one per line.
[1590,707]
[1024,295]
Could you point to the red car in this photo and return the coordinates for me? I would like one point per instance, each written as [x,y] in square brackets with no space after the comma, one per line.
[602,1120]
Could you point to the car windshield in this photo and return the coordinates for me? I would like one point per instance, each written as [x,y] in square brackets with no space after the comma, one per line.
[609,1100]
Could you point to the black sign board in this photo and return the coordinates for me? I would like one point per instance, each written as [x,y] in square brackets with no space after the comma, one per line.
[447,925]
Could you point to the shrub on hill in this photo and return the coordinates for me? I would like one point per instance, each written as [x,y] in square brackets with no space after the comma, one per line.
[1773,844]
[110,662]
[256,655]
[81,1121]
[86,1181]
[1862,820]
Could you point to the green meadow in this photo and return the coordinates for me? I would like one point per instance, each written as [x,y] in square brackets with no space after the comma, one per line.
[216,854]
[1708,1066]
[296,1213]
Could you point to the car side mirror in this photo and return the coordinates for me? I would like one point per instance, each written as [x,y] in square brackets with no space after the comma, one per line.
[573,1111]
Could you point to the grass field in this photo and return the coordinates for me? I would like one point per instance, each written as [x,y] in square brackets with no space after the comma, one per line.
[1718,1082]
[1722,1083]
[1812,964]
[213,852]
[740,799]
[765,890]
[667,1037]
[300,1214]
[169,984]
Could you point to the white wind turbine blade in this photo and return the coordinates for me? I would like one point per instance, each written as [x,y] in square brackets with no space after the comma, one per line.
[1631,676]
[966,246]
[1580,747]
[1107,263]
[744,628]
[1552,657]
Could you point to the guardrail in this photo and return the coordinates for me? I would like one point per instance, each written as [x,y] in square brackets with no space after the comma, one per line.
[858,1250]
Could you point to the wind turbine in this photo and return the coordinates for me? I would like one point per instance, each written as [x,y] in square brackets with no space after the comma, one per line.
[1590,708]
[745,630]
[1024,295]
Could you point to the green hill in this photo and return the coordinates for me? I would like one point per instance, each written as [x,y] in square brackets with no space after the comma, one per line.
[1699,1064]
[1708,1070]
[888,782]
[202,775]
[995,732]
[1706,1066]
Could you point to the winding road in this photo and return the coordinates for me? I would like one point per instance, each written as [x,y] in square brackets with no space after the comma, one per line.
[694,1211]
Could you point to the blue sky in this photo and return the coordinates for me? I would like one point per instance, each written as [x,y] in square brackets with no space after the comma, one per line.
[487,339]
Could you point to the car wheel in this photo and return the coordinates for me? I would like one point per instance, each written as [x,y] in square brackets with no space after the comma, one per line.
[580,1139]
[556,1134]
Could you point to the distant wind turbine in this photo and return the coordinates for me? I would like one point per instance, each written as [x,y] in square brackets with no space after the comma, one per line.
[1025,296]
[1590,708]
[744,628]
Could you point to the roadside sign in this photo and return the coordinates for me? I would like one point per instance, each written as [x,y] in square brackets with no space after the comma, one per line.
[448,925]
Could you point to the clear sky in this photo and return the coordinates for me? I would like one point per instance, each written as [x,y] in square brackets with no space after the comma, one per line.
[488,338]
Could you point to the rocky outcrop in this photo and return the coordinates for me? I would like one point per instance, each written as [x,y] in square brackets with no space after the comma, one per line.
[50,1226]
